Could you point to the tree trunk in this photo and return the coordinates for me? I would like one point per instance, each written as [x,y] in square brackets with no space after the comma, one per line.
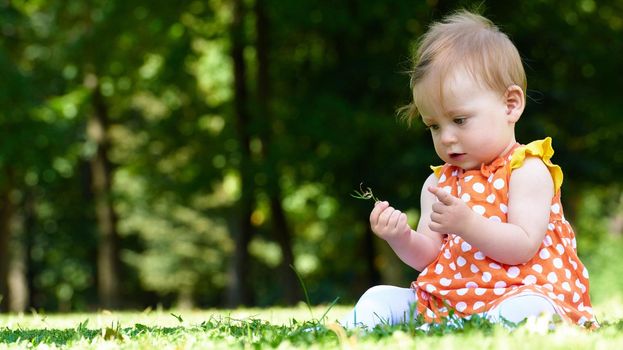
[18,265]
[239,292]
[101,177]
[6,212]
[280,227]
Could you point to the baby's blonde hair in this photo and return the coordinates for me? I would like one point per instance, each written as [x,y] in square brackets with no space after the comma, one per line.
[462,40]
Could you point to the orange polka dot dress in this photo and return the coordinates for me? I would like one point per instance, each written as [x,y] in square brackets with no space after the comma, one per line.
[464,279]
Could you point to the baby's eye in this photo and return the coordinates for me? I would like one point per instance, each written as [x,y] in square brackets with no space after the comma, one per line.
[459,121]
[432,127]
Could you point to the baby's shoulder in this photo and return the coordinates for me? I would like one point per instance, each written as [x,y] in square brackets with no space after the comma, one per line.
[534,160]
[533,174]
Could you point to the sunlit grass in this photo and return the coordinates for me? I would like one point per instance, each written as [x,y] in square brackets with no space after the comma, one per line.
[284,328]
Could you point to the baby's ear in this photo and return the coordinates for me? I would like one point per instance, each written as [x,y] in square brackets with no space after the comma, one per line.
[515,102]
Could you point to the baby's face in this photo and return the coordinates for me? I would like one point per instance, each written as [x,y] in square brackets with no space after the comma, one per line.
[472,126]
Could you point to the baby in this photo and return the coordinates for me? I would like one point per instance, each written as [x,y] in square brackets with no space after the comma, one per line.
[492,239]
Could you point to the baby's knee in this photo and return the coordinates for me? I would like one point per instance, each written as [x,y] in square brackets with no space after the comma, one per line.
[376,292]
[520,307]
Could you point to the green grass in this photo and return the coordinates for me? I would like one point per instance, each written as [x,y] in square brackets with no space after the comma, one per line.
[286,328]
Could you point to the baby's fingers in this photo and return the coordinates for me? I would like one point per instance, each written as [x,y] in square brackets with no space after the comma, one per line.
[402,223]
[379,207]
[443,196]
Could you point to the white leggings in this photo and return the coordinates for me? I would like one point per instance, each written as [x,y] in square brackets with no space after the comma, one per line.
[392,305]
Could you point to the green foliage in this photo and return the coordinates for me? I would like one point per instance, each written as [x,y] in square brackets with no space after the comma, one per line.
[224,330]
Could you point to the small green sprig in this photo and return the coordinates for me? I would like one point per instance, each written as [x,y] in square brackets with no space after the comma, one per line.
[364,194]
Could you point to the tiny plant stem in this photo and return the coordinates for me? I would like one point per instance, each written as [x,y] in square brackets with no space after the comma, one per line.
[304,290]
[364,194]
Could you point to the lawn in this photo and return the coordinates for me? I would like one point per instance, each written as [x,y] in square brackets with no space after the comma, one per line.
[286,328]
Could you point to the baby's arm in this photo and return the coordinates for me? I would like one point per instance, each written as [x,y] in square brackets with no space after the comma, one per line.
[415,248]
[531,190]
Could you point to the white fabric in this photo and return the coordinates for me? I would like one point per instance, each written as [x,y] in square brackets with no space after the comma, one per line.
[394,305]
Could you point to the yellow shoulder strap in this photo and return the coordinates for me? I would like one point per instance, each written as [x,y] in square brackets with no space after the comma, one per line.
[542,149]
[436,170]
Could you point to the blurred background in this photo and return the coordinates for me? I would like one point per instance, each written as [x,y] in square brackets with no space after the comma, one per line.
[188,153]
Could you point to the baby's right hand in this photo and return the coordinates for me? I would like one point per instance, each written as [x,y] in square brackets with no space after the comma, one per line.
[387,222]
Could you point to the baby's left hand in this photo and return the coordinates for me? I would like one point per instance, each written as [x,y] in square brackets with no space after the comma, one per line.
[450,214]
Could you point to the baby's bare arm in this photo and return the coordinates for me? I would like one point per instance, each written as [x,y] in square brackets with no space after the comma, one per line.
[415,248]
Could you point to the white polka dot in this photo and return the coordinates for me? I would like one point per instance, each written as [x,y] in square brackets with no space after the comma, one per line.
[438,269]
[430,288]
[544,254]
[478,187]
[495,266]
[490,178]
[582,320]
[561,297]
[448,189]
[550,227]
[462,291]
[530,279]
[466,197]
[560,249]
[478,305]
[547,241]
[458,276]
[471,284]
[538,268]
[585,273]
[580,285]
[479,255]
[444,292]
[503,208]
[469,178]
[445,281]
[446,254]
[452,266]
[499,291]
[480,291]
[498,184]
[552,277]
[442,178]
[461,306]
[495,219]
[556,208]
[458,189]
[465,247]
[500,284]
[486,276]
[479,209]
[461,261]
[576,297]
[512,272]
[548,286]
[551,295]
[557,263]
[566,286]
[474,268]
[455,172]
[573,263]
[424,272]
[457,239]
[430,313]
[567,273]
[491,198]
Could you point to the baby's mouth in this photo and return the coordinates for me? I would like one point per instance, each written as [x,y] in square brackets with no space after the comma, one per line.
[456,155]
